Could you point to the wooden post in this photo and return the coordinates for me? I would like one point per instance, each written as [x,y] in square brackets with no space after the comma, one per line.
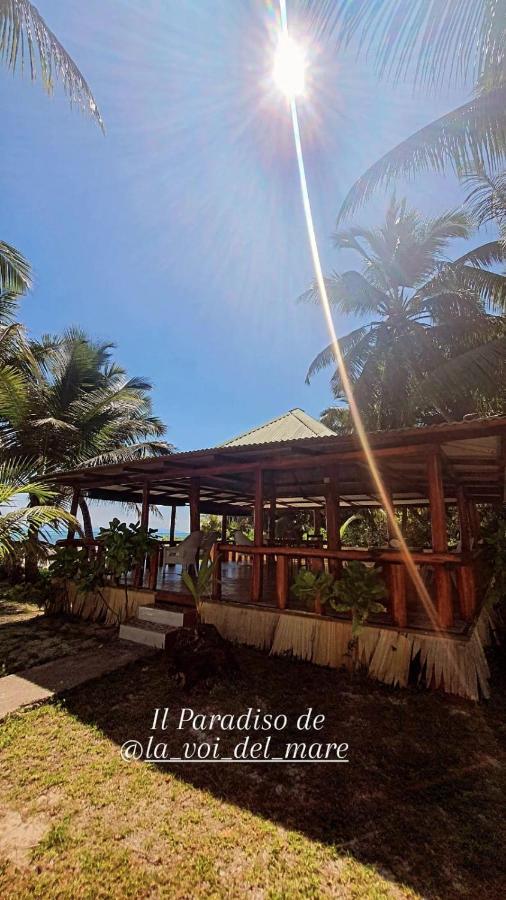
[194,498]
[396,578]
[145,505]
[257,561]
[224,522]
[282,581]
[333,522]
[272,520]
[153,569]
[474,520]
[73,512]
[464,523]
[217,574]
[442,579]
[172,532]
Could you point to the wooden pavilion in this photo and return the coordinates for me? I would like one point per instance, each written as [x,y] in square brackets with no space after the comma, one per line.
[293,463]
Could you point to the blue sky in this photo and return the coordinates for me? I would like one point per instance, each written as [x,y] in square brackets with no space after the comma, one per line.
[180,234]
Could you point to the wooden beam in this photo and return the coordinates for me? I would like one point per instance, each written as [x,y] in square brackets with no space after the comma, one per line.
[224,522]
[439,538]
[194,500]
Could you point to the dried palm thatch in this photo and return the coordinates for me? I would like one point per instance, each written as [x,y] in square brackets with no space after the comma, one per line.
[235,623]
[109,606]
[456,665]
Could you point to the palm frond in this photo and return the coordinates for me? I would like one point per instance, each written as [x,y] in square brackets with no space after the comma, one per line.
[478,369]
[15,270]
[473,136]
[430,40]
[483,256]
[24,36]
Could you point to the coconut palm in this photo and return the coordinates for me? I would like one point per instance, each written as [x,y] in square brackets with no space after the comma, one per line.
[80,409]
[435,42]
[18,521]
[25,38]
[432,334]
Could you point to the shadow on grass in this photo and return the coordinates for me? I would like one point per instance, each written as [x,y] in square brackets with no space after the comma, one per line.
[422,798]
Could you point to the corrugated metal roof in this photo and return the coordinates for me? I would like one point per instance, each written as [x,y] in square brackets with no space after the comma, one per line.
[291,426]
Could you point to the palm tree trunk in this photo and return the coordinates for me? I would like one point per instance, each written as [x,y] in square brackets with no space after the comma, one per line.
[31,555]
[87,524]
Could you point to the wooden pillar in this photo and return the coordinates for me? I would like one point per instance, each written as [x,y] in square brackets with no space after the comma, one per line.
[145,505]
[172,531]
[73,512]
[257,561]
[217,574]
[466,585]
[464,523]
[474,520]
[281,580]
[194,498]
[224,521]
[442,579]
[272,520]
[333,522]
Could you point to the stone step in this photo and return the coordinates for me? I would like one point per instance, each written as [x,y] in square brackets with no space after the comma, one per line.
[162,615]
[152,634]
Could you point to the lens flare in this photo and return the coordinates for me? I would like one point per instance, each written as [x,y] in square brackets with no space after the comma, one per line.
[348,390]
[289,71]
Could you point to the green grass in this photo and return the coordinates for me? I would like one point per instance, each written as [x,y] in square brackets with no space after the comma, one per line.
[417,812]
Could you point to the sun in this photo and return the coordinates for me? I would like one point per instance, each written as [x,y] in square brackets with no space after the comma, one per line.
[289,71]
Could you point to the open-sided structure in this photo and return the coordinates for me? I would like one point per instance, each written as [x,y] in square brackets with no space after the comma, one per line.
[294,463]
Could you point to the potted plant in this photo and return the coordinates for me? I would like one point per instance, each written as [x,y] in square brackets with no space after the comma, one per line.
[314,588]
[359,590]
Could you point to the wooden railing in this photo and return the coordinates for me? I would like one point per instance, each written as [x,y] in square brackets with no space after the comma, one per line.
[449,569]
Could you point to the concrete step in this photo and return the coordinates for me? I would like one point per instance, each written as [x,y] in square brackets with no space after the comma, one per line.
[152,634]
[162,615]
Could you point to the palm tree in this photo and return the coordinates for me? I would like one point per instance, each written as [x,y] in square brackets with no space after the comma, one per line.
[433,333]
[435,42]
[80,408]
[25,37]
[18,522]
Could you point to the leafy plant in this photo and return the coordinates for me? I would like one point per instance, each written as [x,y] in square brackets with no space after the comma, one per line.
[495,557]
[200,584]
[359,590]
[313,587]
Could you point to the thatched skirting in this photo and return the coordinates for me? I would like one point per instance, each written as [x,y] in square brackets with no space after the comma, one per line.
[457,666]
[109,606]
[255,628]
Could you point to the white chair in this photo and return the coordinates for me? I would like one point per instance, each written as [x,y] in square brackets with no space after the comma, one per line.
[207,540]
[185,553]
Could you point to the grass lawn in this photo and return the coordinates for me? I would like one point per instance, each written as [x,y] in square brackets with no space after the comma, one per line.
[419,811]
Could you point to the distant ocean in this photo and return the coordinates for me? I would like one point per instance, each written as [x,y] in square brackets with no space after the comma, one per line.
[54,536]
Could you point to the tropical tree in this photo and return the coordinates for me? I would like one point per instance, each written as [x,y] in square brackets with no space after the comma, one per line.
[79,408]
[432,333]
[18,521]
[434,42]
[25,37]
[337,418]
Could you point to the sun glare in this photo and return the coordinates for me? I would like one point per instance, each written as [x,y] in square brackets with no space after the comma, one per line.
[289,71]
